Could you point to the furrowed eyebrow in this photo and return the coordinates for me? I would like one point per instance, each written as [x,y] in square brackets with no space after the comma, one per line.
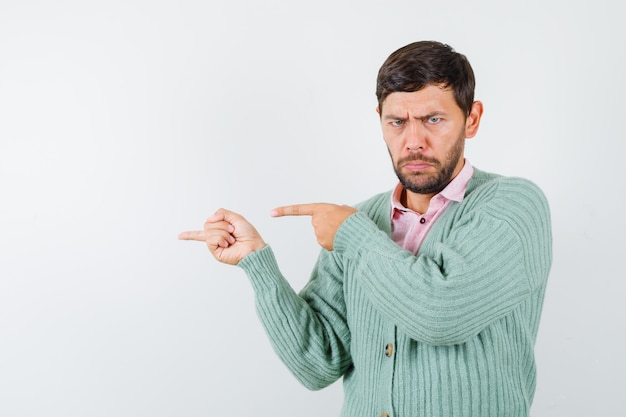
[429,115]
[394,117]
[424,117]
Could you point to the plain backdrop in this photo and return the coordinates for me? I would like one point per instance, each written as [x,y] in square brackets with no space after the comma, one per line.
[123,123]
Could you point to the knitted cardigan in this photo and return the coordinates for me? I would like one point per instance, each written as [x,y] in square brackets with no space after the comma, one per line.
[447,332]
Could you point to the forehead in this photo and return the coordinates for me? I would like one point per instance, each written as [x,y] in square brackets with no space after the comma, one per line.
[429,99]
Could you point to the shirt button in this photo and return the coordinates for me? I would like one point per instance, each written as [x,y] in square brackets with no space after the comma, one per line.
[422,220]
[384,415]
[389,350]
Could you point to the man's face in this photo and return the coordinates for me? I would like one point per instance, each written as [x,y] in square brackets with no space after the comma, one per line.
[425,133]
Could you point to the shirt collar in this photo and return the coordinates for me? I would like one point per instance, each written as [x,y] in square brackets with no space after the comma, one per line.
[454,191]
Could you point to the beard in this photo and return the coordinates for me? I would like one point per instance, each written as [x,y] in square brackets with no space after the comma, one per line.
[424,183]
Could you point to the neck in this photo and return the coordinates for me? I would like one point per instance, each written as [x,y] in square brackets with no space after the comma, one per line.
[419,203]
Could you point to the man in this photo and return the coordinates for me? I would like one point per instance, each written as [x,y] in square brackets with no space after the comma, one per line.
[426,299]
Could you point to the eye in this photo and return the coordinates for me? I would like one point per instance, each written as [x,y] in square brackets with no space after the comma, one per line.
[434,120]
[397,123]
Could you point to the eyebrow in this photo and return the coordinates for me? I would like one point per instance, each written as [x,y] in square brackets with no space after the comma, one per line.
[424,117]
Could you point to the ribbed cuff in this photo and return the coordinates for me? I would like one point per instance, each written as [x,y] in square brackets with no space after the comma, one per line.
[262,269]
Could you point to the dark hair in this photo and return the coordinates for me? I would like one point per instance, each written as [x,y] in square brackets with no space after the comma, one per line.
[419,64]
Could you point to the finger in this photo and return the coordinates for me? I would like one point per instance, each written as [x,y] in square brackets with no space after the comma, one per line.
[230,216]
[223,241]
[217,217]
[295,210]
[198,235]
[222,214]
[220,225]
[218,237]
[211,238]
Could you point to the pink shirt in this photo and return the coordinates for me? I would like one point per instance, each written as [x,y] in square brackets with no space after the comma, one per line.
[409,228]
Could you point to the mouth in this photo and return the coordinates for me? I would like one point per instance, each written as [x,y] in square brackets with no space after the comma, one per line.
[417,165]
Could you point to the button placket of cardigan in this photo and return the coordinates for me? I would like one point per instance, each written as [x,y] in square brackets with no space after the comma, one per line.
[389,350]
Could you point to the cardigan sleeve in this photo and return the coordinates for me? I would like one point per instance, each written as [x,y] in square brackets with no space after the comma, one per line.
[308,331]
[490,256]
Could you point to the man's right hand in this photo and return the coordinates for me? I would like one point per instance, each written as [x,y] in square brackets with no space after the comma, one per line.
[228,235]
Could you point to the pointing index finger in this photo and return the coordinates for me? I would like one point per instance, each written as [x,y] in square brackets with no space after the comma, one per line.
[295,210]
[192,235]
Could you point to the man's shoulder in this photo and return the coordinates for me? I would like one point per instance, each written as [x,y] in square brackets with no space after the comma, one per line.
[484,179]
[515,190]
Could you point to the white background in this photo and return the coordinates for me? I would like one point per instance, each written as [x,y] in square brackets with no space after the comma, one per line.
[123,123]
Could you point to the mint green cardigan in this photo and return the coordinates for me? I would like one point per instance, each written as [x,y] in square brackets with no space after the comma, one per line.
[449,332]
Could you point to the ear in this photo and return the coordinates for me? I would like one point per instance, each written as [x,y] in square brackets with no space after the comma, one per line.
[473,119]
[378,111]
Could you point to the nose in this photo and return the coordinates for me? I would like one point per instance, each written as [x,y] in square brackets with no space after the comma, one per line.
[416,136]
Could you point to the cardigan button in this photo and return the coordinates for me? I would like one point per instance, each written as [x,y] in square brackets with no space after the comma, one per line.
[389,350]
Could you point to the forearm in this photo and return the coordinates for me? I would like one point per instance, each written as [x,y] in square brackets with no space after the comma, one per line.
[308,334]
[450,291]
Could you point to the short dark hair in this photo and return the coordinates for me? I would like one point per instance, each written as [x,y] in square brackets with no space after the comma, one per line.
[424,63]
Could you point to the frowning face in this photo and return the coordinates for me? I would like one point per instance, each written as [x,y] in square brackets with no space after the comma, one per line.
[425,133]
